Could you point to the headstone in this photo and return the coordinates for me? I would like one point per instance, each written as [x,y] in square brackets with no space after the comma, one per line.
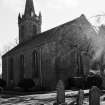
[103,80]
[72,103]
[41,104]
[80,97]
[60,92]
[63,104]
[94,96]
[54,103]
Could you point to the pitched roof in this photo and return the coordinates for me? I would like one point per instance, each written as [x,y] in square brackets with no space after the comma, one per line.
[52,33]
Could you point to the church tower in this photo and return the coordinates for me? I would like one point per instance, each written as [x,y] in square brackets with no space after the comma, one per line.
[29,23]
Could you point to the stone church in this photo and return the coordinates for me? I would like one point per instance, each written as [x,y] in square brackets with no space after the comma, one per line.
[46,57]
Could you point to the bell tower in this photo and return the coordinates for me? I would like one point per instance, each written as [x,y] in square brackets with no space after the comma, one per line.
[29,23]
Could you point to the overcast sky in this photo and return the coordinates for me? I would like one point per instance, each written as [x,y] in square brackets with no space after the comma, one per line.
[54,12]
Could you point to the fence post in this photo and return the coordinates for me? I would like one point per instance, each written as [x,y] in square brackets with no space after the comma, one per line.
[80,97]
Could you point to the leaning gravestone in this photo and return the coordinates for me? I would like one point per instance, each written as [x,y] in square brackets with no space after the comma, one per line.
[60,92]
[80,97]
[94,96]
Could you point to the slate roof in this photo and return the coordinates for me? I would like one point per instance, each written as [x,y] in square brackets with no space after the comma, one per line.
[44,37]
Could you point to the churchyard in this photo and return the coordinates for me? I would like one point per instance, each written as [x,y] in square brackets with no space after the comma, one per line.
[93,96]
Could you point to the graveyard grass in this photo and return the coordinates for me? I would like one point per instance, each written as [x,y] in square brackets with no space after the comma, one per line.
[46,99]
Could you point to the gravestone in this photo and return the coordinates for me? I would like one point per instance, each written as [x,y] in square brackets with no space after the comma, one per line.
[80,97]
[103,79]
[94,96]
[60,92]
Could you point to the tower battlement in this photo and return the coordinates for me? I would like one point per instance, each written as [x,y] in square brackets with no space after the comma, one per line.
[29,23]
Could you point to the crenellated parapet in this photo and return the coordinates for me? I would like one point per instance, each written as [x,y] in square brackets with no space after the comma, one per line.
[29,23]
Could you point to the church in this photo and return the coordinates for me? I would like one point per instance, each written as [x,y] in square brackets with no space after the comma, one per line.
[46,57]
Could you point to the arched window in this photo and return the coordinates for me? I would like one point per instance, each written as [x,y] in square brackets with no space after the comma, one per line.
[22,31]
[21,66]
[35,68]
[34,29]
[32,13]
[11,68]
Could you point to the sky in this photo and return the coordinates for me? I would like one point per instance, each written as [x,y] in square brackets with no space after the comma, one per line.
[54,13]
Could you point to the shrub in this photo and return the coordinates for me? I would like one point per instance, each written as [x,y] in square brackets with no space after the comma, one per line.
[95,80]
[76,82]
[26,84]
[2,83]
[84,82]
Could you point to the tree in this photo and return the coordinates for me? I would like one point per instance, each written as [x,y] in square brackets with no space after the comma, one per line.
[9,46]
[2,83]
[26,84]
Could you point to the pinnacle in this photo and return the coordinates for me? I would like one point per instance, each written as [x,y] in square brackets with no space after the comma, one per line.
[29,8]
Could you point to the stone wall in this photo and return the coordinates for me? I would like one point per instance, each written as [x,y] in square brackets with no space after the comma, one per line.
[57,53]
